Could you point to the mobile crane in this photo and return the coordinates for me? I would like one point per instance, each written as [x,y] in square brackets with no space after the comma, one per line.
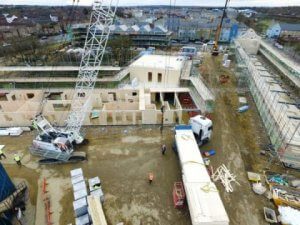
[56,145]
[215,50]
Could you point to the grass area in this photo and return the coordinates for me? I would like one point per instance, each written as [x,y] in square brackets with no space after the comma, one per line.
[295,46]
[264,24]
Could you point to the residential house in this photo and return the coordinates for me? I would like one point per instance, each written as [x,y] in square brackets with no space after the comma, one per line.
[286,31]
[141,36]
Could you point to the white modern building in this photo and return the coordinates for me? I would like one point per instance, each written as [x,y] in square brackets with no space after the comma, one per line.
[157,70]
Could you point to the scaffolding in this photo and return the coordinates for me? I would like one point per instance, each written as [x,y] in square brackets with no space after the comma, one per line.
[278,111]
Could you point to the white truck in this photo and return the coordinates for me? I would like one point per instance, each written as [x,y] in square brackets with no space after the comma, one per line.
[202,128]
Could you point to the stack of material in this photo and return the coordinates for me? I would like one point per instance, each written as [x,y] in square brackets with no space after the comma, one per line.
[80,190]
[95,188]
[83,220]
[84,212]
[80,207]
[96,211]
[80,193]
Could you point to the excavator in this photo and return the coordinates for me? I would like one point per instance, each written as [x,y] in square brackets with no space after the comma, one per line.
[56,145]
[215,49]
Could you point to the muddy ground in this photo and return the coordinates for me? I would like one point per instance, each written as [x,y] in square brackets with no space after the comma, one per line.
[123,156]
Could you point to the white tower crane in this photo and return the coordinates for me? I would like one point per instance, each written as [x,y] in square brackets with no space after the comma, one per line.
[57,143]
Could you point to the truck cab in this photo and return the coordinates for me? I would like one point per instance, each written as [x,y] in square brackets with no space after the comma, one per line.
[202,128]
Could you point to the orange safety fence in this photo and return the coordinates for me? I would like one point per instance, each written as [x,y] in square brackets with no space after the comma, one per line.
[46,201]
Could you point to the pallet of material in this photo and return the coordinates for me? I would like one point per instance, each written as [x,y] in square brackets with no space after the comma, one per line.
[96,211]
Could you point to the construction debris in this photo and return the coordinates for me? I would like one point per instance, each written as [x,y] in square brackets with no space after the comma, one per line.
[282,179]
[224,175]
[270,215]
[243,108]
[258,188]
[283,195]
[11,131]
[255,177]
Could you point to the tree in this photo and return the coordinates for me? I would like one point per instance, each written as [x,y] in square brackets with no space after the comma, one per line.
[85,11]
[120,49]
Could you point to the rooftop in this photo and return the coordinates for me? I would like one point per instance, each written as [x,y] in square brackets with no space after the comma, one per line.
[160,62]
[290,26]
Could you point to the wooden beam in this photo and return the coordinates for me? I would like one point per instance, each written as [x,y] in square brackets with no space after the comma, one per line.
[96,211]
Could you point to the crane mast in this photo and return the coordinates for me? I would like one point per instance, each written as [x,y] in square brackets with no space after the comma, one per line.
[94,48]
[56,145]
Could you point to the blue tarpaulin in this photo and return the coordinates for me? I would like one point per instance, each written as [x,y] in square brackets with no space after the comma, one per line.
[6,188]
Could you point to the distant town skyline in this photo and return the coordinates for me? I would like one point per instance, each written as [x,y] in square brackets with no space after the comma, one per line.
[213,3]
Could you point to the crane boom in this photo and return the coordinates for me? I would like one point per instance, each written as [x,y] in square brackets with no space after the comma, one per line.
[219,29]
[94,48]
[56,145]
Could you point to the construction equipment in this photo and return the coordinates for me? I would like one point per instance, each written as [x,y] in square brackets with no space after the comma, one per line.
[202,128]
[215,50]
[57,144]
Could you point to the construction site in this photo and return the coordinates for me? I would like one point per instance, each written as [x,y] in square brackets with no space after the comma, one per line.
[186,136]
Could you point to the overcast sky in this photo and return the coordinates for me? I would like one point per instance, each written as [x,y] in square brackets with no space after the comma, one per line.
[269,3]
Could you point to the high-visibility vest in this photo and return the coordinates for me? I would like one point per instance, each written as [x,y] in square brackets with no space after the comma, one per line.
[17,158]
[34,125]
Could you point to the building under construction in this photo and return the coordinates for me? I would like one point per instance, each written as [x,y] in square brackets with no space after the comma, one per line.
[275,95]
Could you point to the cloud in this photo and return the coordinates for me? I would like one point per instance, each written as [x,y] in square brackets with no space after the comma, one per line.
[237,3]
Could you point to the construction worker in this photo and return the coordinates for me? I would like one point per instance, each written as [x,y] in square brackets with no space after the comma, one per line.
[2,154]
[17,158]
[150,177]
[163,149]
[34,124]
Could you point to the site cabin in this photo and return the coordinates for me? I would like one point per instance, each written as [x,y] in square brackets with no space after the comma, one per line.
[202,128]
[204,202]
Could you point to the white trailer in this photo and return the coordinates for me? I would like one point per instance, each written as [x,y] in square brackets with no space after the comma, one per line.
[204,202]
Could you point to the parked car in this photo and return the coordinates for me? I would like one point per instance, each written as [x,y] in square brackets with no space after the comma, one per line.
[211,43]
[199,42]
[278,45]
[184,42]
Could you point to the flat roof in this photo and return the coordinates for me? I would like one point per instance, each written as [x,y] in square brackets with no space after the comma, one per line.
[160,62]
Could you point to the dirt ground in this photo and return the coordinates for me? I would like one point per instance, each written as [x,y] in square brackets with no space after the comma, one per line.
[238,139]
[123,156]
